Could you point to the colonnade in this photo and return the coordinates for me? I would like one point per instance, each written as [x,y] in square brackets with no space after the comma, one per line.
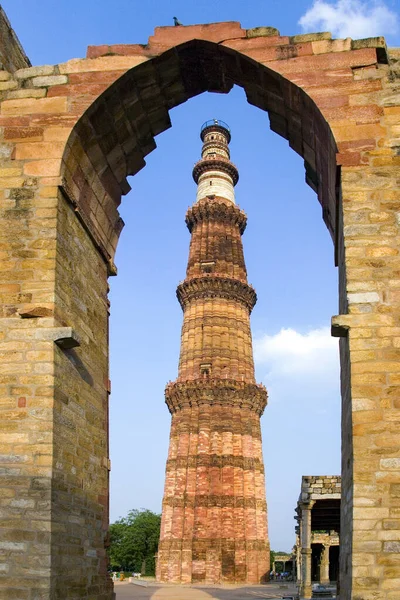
[304,551]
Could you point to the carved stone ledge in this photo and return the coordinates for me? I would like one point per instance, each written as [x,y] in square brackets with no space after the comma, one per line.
[212,501]
[224,392]
[214,543]
[216,209]
[214,460]
[209,286]
[219,163]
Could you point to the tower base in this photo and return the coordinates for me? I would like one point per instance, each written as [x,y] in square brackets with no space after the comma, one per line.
[211,561]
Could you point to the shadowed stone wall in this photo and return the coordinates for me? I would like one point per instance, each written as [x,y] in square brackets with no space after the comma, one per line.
[12,55]
[71,134]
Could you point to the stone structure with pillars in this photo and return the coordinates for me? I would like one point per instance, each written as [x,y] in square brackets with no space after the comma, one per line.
[285,560]
[214,517]
[318,517]
[71,134]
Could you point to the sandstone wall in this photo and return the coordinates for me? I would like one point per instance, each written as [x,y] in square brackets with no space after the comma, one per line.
[12,55]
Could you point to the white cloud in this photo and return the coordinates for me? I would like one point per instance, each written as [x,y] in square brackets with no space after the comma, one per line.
[312,355]
[351,18]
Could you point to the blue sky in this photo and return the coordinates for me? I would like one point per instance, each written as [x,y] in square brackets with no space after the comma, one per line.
[288,250]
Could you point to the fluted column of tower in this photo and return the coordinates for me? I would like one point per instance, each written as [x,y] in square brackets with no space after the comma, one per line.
[214,514]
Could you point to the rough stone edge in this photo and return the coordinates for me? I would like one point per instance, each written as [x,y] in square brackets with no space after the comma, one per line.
[262,32]
[302,38]
[17,46]
[373,42]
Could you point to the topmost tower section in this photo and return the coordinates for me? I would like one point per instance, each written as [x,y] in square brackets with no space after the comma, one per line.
[215,126]
[214,173]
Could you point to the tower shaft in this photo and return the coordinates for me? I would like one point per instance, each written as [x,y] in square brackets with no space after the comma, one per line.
[214,518]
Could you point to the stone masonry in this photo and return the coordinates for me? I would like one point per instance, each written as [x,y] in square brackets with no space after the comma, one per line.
[71,134]
[318,517]
[214,518]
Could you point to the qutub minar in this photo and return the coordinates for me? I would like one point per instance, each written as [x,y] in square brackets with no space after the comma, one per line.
[214,514]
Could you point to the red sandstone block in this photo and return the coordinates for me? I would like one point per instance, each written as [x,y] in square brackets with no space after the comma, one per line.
[21,402]
[348,159]
[311,79]
[350,132]
[38,150]
[77,90]
[103,499]
[357,145]
[213,32]
[247,442]
[22,133]
[14,121]
[247,44]
[355,114]
[272,53]
[96,51]
[95,77]
[324,62]
[130,49]
[325,101]
[68,120]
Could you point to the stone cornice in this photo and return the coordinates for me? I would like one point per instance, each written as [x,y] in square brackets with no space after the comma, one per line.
[224,392]
[220,427]
[215,543]
[215,460]
[211,286]
[215,209]
[222,501]
[219,163]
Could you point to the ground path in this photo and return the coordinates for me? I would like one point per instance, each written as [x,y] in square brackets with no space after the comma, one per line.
[270,591]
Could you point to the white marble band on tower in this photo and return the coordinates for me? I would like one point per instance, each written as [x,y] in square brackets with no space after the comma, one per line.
[214,173]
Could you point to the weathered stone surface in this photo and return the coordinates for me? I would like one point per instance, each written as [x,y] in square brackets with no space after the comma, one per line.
[28,106]
[48,80]
[366,297]
[310,37]
[8,85]
[214,32]
[261,32]
[5,75]
[34,72]
[104,63]
[27,93]
[12,55]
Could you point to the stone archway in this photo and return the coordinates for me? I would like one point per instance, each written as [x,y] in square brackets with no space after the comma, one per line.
[71,135]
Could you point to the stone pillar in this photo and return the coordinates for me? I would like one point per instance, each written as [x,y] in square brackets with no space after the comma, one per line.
[298,555]
[305,588]
[324,565]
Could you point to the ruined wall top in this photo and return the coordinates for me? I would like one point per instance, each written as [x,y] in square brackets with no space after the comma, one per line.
[122,93]
[12,55]
[317,487]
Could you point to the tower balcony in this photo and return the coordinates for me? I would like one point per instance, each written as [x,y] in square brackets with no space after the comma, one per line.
[216,209]
[216,391]
[216,163]
[215,125]
[213,286]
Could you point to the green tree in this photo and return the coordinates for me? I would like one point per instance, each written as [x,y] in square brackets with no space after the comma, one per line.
[134,541]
